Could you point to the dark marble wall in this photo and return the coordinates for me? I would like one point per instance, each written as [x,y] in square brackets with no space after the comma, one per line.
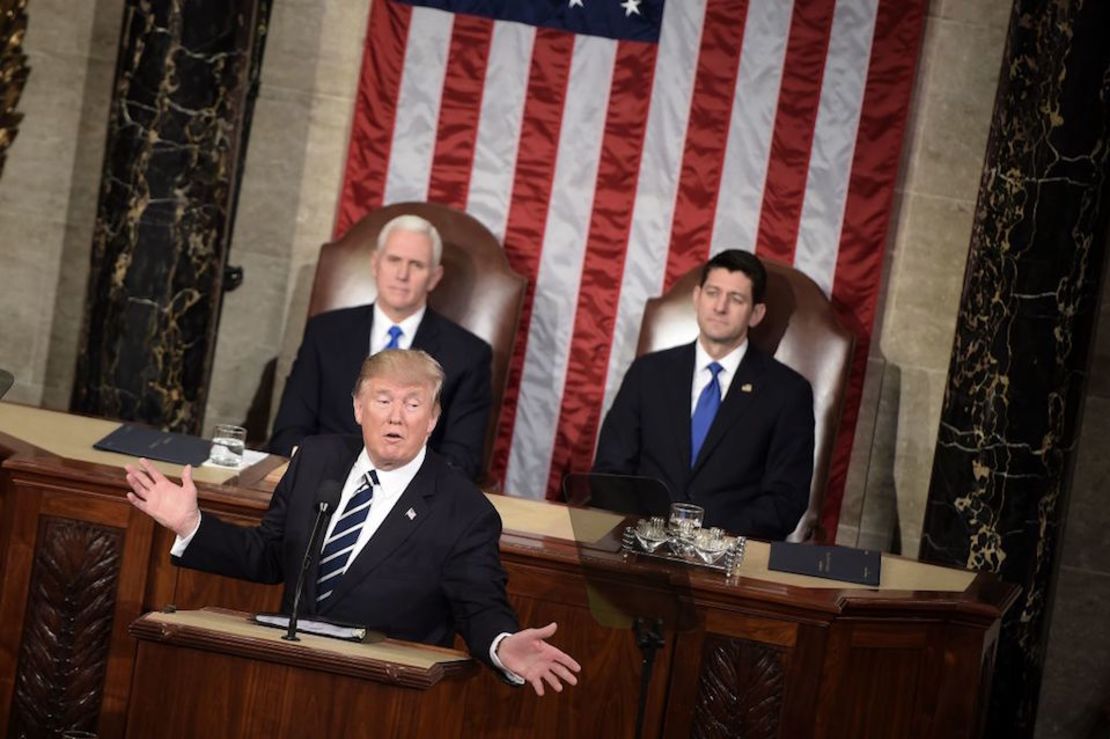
[186,76]
[1008,430]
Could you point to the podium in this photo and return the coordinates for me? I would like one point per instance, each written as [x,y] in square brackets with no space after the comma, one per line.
[212,673]
[762,654]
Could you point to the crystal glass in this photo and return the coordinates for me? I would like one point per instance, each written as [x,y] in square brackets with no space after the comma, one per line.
[228,443]
[711,544]
[684,522]
[651,533]
[685,519]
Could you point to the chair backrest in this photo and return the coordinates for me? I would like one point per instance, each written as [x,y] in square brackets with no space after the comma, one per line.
[479,290]
[800,329]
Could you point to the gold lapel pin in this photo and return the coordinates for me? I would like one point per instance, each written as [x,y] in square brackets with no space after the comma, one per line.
[746,387]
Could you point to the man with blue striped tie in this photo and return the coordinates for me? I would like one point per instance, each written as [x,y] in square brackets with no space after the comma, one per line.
[718,421]
[413,550]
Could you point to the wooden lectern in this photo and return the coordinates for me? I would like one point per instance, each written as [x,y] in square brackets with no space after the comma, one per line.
[764,654]
[212,673]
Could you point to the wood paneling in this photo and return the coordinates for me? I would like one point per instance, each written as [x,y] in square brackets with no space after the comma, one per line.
[739,658]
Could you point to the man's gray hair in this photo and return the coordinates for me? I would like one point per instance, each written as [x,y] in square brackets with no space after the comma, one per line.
[415,224]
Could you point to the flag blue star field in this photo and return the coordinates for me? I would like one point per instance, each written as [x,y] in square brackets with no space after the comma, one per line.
[613,145]
[629,20]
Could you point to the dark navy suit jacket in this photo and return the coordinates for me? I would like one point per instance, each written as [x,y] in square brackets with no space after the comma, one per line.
[420,577]
[317,396]
[754,470]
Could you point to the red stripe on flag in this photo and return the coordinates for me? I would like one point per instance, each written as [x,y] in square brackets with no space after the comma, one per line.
[706,136]
[535,169]
[606,247]
[375,112]
[459,108]
[886,102]
[784,188]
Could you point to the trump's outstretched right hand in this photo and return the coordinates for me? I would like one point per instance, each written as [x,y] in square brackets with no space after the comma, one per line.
[173,506]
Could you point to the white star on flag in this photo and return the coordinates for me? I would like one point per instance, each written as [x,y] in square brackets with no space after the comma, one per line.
[630,7]
[576,3]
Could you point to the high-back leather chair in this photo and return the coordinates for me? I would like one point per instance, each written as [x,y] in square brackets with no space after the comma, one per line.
[800,330]
[479,290]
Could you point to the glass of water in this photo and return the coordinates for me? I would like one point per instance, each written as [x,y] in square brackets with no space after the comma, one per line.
[228,443]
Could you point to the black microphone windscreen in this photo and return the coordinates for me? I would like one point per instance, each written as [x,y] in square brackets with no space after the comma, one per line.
[328,494]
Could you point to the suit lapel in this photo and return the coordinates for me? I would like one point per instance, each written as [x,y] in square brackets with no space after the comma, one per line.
[427,333]
[741,391]
[408,514]
[677,401]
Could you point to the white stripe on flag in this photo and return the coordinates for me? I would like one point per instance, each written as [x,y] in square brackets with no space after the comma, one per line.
[499,125]
[417,122]
[744,170]
[657,183]
[564,245]
[834,140]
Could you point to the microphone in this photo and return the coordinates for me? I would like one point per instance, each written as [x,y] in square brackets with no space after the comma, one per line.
[327,498]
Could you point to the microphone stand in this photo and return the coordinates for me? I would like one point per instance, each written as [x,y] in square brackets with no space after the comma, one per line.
[321,514]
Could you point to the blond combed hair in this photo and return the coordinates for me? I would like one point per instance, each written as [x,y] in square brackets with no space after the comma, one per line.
[403,365]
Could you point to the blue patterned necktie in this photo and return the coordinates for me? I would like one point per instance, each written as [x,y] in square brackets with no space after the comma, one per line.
[338,547]
[704,412]
[395,334]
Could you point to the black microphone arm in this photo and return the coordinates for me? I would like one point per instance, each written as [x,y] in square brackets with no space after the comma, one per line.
[327,499]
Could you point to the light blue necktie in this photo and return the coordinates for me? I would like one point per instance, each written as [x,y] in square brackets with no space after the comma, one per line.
[395,334]
[704,412]
[338,547]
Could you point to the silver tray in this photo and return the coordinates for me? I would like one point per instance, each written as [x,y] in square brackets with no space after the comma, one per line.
[729,563]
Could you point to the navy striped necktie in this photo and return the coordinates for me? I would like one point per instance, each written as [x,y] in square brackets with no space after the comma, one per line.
[338,547]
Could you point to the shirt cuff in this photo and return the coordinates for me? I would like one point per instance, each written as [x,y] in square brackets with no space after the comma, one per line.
[181,542]
[511,676]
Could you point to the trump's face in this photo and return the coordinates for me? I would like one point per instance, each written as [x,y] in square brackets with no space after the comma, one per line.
[725,310]
[404,273]
[397,417]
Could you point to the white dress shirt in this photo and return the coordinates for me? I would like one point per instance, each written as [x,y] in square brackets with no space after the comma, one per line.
[379,330]
[702,375]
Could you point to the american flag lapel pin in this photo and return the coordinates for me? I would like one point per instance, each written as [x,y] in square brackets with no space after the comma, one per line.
[746,387]
[411,514]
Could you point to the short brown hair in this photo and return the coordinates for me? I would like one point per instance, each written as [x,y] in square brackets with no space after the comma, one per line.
[403,364]
[738,260]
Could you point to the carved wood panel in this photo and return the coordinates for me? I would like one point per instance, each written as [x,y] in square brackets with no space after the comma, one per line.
[68,625]
[740,690]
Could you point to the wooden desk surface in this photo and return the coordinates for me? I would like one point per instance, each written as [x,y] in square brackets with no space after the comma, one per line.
[71,437]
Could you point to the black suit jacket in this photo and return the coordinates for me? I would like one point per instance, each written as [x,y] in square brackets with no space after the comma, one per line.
[317,395]
[754,470]
[419,578]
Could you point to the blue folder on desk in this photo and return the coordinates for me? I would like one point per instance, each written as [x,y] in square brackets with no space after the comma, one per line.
[165,446]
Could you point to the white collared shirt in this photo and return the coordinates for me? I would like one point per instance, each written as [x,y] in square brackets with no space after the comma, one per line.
[379,330]
[386,494]
[702,376]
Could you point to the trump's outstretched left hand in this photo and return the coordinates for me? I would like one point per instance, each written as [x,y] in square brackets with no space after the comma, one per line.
[528,655]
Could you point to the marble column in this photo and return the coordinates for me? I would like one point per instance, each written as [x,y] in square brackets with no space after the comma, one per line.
[13,70]
[1007,439]
[186,79]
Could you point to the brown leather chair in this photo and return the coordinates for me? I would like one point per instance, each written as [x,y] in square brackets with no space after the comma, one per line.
[800,330]
[479,290]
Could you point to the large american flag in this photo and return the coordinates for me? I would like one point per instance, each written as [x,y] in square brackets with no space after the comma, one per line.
[612,145]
